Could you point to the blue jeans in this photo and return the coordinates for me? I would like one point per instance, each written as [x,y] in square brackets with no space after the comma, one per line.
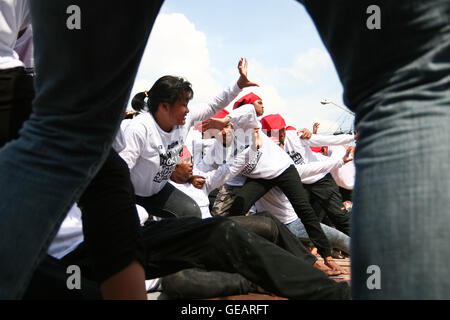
[84,78]
[337,239]
[398,84]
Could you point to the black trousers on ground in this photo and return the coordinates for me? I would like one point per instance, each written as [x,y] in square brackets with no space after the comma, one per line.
[220,244]
[326,193]
[16,94]
[198,283]
[290,183]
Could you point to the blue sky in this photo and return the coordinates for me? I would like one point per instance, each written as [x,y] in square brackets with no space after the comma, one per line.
[202,40]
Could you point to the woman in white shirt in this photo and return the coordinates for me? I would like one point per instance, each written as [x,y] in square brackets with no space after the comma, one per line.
[154,140]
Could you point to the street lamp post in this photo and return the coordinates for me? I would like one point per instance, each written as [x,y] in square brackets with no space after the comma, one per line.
[325,101]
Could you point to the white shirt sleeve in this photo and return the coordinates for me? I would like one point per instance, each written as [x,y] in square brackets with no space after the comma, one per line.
[318,140]
[226,172]
[135,139]
[203,112]
[142,213]
[311,169]
[336,152]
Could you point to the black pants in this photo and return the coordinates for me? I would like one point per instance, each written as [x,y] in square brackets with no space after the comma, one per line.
[326,193]
[16,94]
[221,244]
[170,203]
[289,182]
[346,194]
[111,228]
[198,283]
[49,281]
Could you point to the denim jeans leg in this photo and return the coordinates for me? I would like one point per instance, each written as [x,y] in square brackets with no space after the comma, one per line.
[83,80]
[337,239]
[401,227]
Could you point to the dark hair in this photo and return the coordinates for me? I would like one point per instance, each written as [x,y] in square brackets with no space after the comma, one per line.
[138,102]
[166,89]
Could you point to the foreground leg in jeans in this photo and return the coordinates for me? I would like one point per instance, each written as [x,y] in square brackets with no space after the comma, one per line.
[80,98]
[398,84]
[221,244]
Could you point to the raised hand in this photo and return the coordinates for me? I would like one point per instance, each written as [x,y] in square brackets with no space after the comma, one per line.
[316,127]
[349,154]
[215,123]
[243,81]
[305,133]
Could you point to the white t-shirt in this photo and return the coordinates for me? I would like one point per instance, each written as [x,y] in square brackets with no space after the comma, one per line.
[14,17]
[216,155]
[272,161]
[300,152]
[70,233]
[345,175]
[275,202]
[152,153]
[200,196]
[69,236]
[213,179]
[24,48]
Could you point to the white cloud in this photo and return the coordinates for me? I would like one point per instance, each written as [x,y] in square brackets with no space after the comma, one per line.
[176,47]
[309,67]
[285,91]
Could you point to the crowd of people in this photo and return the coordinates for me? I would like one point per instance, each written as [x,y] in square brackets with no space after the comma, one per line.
[123,195]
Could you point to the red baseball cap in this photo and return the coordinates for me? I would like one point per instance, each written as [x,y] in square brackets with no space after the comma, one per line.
[247,99]
[273,122]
